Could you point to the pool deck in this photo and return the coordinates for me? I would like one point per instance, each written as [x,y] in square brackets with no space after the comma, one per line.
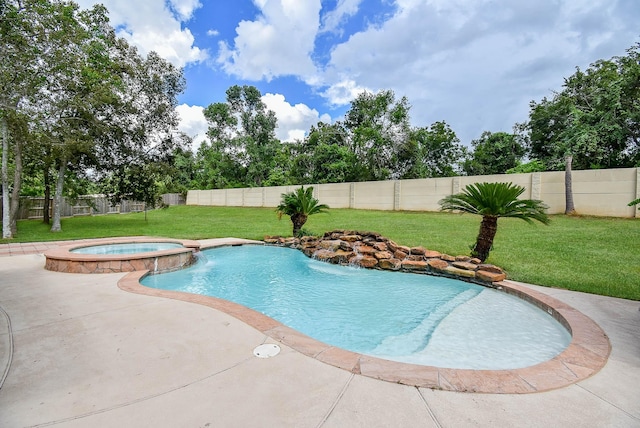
[77,351]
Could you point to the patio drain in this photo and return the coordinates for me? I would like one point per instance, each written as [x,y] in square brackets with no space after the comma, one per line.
[267,350]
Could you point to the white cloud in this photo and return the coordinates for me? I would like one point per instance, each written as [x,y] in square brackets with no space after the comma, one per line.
[475,64]
[185,8]
[344,9]
[193,123]
[213,33]
[152,26]
[278,43]
[343,92]
[293,120]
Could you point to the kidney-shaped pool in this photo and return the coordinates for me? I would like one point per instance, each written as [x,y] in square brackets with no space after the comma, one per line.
[411,318]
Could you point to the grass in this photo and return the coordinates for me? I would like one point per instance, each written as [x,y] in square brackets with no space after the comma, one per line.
[588,254]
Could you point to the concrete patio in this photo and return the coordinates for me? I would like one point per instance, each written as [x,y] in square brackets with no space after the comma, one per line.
[77,351]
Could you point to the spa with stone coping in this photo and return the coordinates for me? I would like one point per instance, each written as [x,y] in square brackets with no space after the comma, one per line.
[63,259]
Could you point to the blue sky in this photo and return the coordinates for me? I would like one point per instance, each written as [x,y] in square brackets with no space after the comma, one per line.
[475,64]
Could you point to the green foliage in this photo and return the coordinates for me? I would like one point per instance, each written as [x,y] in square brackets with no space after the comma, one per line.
[595,118]
[528,167]
[299,205]
[492,201]
[433,151]
[243,149]
[634,202]
[494,153]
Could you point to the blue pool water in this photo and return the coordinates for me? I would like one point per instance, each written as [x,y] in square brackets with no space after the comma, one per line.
[128,248]
[397,316]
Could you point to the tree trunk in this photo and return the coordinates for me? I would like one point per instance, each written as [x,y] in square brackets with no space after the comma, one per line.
[568,190]
[484,242]
[17,185]
[298,221]
[6,209]
[47,193]
[57,199]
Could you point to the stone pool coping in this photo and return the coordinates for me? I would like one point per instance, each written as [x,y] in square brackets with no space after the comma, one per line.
[62,259]
[585,356]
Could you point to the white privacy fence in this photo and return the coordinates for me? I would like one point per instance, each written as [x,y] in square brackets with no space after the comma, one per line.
[602,192]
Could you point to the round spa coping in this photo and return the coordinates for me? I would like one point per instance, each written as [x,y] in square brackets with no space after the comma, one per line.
[586,354]
[63,259]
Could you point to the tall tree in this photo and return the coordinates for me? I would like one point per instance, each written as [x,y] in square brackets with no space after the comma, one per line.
[432,151]
[379,125]
[595,118]
[242,134]
[24,25]
[494,153]
[325,156]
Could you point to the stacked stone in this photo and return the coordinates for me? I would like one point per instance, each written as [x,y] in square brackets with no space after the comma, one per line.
[373,251]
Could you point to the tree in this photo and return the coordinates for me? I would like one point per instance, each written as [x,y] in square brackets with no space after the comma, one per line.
[379,125]
[325,156]
[242,134]
[494,153]
[594,122]
[24,26]
[299,205]
[430,152]
[492,201]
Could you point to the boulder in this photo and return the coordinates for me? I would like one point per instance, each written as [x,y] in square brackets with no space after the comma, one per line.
[437,264]
[414,265]
[418,251]
[380,246]
[460,272]
[365,261]
[390,264]
[383,255]
[399,254]
[430,254]
[490,276]
[465,265]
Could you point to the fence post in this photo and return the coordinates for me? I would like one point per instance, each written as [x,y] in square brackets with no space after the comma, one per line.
[636,210]
[396,195]
[455,185]
[352,195]
[536,185]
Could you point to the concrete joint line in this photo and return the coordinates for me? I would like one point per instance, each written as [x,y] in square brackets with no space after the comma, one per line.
[5,372]
[141,399]
[608,402]
[337,400]
[426,405]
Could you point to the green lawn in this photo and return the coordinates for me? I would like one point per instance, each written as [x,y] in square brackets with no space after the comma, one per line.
[594,255]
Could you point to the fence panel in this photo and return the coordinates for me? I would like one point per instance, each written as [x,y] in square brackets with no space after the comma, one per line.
[596,192]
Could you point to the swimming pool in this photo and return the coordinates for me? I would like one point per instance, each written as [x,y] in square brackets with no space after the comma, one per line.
[401,317]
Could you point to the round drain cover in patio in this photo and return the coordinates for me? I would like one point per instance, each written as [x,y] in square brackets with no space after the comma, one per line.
[267,350]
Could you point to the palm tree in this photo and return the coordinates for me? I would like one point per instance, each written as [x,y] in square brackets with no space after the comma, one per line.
[299,205]
[492,201]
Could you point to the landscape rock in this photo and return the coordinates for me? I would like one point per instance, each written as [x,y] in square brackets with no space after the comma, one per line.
[373,251]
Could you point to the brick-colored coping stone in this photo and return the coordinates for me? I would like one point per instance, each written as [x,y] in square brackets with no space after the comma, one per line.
[586,354]
[62,259]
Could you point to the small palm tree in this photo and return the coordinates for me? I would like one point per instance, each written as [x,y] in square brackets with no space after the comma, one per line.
[299,205]
[492,201]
